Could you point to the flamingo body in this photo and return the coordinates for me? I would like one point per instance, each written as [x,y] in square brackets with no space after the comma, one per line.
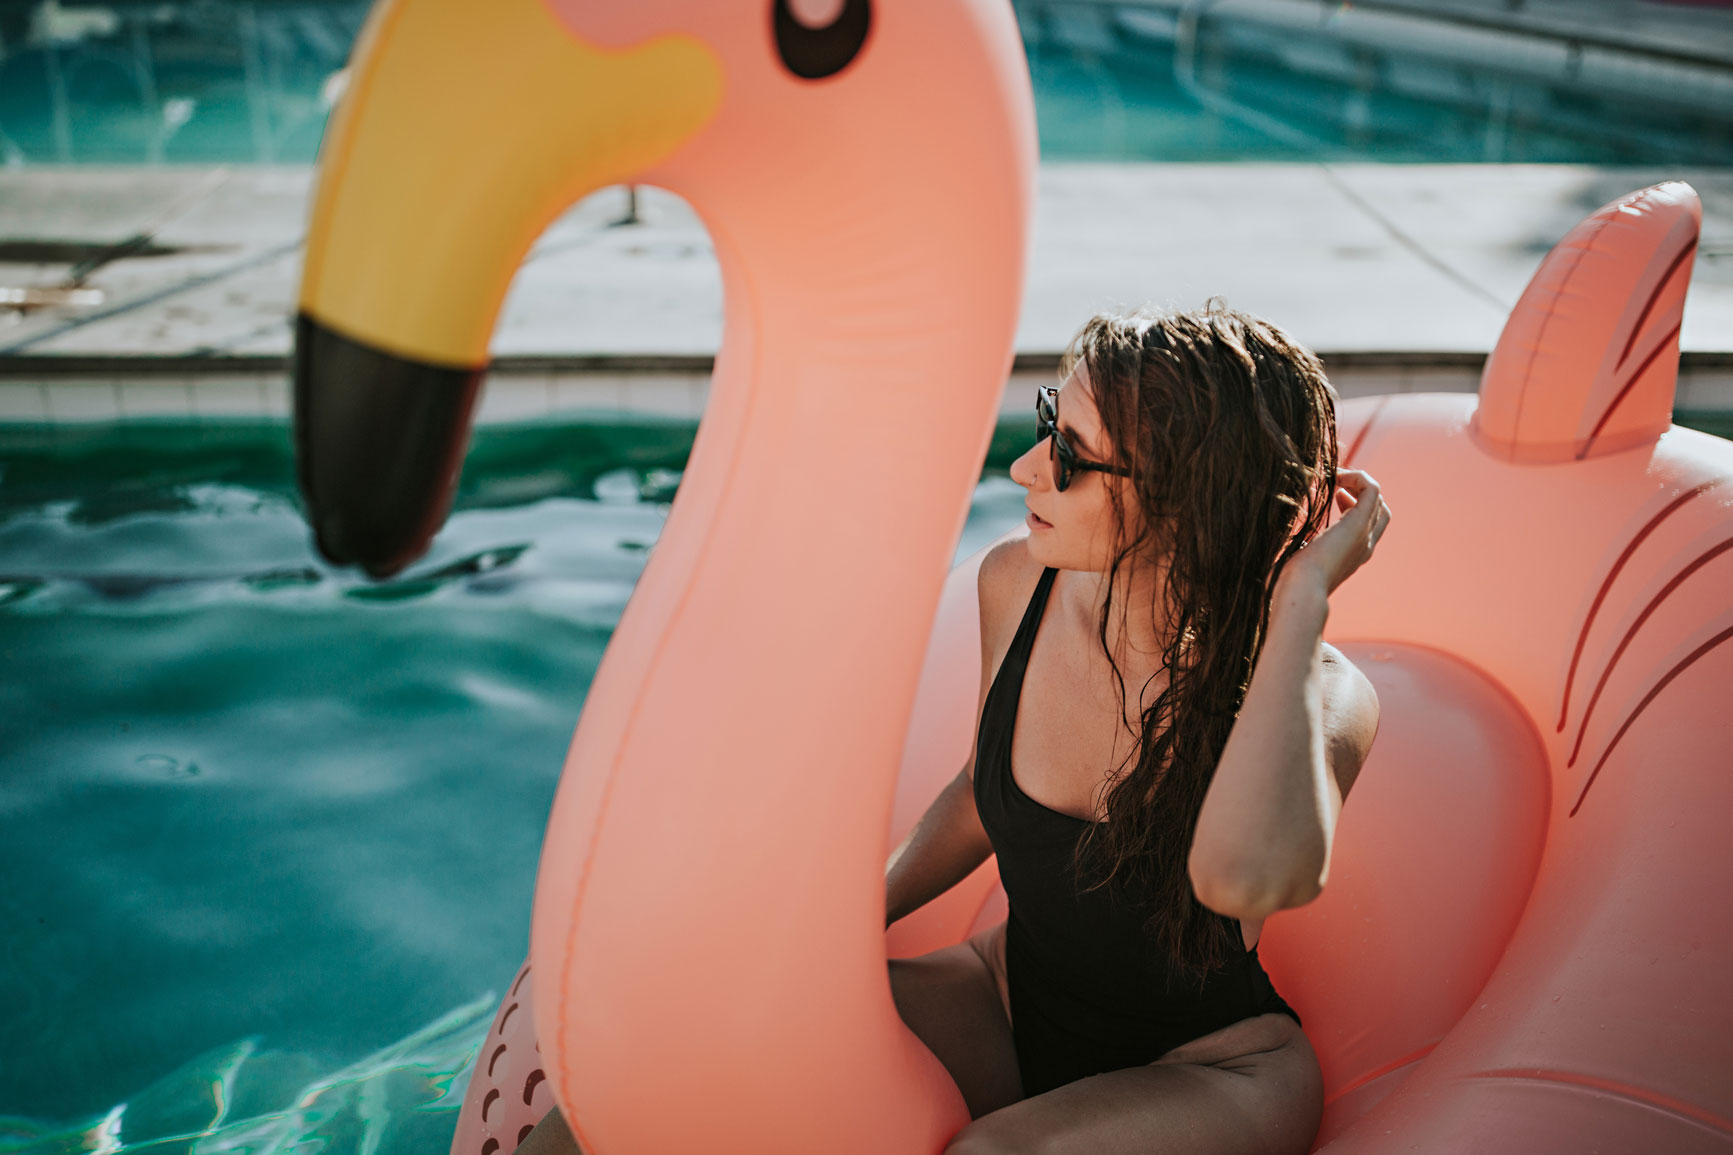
[1522,944]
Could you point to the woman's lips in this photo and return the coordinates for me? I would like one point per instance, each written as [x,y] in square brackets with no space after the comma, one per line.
[1034,522]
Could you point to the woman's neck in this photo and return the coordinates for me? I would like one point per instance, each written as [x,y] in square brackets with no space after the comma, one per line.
[1137,629]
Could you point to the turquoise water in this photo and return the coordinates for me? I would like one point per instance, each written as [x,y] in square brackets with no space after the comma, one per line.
[209,83]
[269,830]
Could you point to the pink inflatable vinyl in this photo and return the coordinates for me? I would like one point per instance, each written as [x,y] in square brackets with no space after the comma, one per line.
[1521,946]
[1571,548]
[1522,943]
[708,949]
[508,1090]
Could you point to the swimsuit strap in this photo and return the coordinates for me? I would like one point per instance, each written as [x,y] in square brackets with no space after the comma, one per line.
[1024,641]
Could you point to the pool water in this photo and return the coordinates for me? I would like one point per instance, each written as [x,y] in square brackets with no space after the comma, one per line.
[269,830]
[179,82]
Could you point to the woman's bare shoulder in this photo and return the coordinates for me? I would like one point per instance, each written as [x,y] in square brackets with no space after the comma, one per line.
[1351,712]
[1005,585]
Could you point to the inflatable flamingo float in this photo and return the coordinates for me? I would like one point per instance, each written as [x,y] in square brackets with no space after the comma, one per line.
[1523,943]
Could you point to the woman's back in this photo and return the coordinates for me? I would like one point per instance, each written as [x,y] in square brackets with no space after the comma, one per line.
[1088,991]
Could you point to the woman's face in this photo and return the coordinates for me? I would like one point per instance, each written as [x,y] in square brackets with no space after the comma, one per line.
[1074,529]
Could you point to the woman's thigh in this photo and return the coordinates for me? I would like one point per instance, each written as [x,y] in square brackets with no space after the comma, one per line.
[952,999]
[1252,1087]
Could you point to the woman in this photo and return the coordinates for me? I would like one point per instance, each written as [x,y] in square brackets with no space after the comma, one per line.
[1183,464]
[1175,545]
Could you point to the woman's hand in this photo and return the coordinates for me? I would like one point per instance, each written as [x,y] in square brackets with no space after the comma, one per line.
[1344,547]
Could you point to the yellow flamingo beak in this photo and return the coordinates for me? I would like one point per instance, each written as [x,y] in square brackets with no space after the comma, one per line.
[466,129]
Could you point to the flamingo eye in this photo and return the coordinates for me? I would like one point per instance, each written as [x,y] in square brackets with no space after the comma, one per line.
[814,49]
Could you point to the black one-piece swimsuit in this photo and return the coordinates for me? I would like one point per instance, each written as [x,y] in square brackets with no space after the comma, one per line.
[1088,992]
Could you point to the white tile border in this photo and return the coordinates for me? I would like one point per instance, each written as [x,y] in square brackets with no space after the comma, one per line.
[569,392]
[23,402]
[228,397]
[536,395]
[82,401]
[526,397]
[155,399]
[278,395]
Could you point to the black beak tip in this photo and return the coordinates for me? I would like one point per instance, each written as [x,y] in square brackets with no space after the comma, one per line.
[329,540]
[325,542]
[379,441]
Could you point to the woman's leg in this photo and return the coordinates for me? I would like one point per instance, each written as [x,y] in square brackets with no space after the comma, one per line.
[1251,1088]
[953,1000]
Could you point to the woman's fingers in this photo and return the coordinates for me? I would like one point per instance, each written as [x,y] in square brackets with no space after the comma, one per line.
[1353,489]
[1356,481]
[1342,548]
[1359,494]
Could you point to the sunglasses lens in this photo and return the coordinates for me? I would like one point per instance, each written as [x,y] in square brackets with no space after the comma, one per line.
[1057,451]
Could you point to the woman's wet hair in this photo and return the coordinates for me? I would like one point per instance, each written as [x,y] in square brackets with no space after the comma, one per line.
[1228,426]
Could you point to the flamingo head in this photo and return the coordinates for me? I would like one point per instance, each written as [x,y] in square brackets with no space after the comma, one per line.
[842,153]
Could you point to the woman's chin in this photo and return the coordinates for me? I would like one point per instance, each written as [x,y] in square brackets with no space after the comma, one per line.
[1035,541]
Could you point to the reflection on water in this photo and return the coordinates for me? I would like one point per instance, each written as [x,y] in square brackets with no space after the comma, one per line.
[1190,80]
[269,832]
[200,81]
[241,1098]
[264,822]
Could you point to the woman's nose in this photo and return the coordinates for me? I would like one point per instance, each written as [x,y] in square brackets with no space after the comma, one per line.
[1026,467]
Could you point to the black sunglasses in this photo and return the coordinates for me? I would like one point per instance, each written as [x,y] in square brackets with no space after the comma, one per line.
[1065,460]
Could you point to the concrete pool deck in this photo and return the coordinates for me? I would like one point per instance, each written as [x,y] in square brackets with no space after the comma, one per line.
[1400,276]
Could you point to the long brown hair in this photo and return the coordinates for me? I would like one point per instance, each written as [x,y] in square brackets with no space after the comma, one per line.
[1228,426]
